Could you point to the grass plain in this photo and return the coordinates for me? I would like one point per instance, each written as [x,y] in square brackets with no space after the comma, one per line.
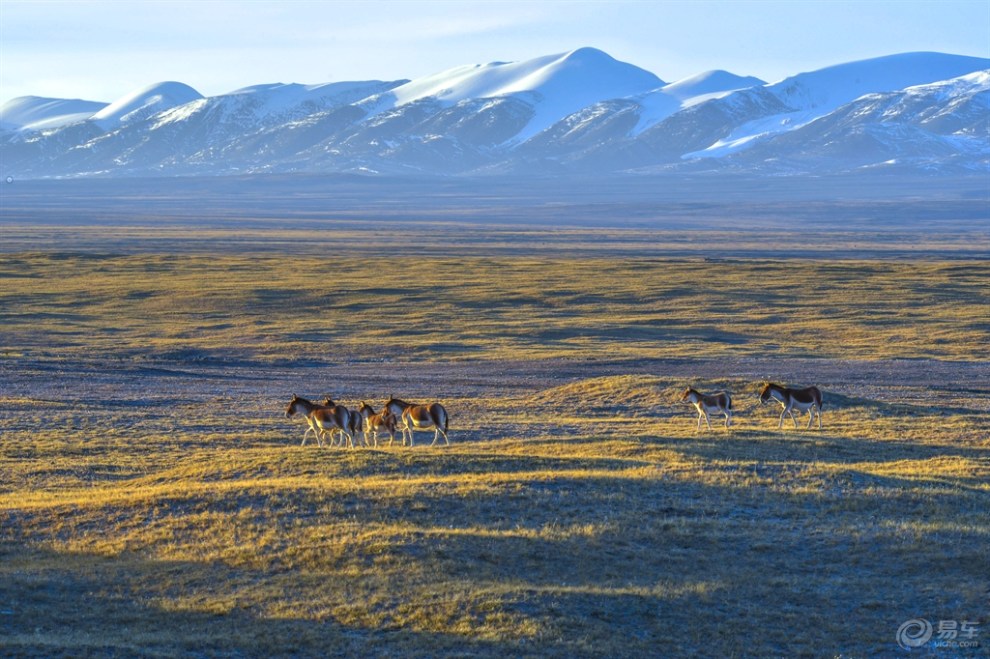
[155,501]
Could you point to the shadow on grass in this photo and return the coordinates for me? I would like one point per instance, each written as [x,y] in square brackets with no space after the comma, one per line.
[805,448]
[834,401]
[603,565]
[82,605]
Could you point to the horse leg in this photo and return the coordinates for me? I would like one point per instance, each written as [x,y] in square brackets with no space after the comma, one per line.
[707,420]
[811,416]
[790,410]
[780,424]
[728,418]
[316,434]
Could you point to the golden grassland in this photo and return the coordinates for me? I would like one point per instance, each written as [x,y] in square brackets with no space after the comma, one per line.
[287,308]
[154,499]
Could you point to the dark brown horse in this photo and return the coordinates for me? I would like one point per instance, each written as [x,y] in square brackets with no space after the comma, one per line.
[420,417]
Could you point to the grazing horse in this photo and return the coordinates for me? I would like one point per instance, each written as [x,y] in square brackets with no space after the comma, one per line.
[705,403]
[321,419]
[807,400]
[419,417]
[373,423]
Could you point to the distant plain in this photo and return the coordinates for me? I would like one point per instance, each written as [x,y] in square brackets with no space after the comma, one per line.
[155,500]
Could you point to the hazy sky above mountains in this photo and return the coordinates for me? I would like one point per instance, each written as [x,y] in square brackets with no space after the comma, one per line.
[103,50]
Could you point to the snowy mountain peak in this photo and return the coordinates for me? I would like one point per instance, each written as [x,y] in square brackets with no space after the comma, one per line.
[582,69]
[710,82]
[554,85]
[38,113]
[834,85]
[143,103]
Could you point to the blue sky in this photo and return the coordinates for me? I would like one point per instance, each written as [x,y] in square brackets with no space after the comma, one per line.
[103,50]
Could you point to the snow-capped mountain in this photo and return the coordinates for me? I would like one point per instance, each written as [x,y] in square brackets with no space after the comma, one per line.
[941,126]
[145,103]
[34,113]
[576,112]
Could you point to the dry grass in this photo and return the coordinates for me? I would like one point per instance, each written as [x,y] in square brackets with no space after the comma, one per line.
[280,310]
[154,500]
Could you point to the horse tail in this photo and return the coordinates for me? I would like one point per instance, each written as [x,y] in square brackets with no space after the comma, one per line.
[443,413]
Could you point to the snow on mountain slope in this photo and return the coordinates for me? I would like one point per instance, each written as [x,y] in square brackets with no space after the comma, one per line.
[552,75]
[37,113]
[267,104]
[145,102]
[709,82]
[815,94]
[828,88]
[285,99]
[971,83]
[556,85]
[661,103]
[943,124]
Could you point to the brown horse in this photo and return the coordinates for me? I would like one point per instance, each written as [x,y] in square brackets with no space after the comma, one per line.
[321,419]
[705,403]
[807,400]
[373,423]
[420,417]
[354,423]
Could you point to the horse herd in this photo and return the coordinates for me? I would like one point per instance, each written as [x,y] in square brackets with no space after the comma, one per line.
[328,417]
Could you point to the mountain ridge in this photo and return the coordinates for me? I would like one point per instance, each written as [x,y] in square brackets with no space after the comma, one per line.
[576,112]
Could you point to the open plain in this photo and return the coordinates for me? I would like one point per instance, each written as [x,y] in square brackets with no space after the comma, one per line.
[155,500]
